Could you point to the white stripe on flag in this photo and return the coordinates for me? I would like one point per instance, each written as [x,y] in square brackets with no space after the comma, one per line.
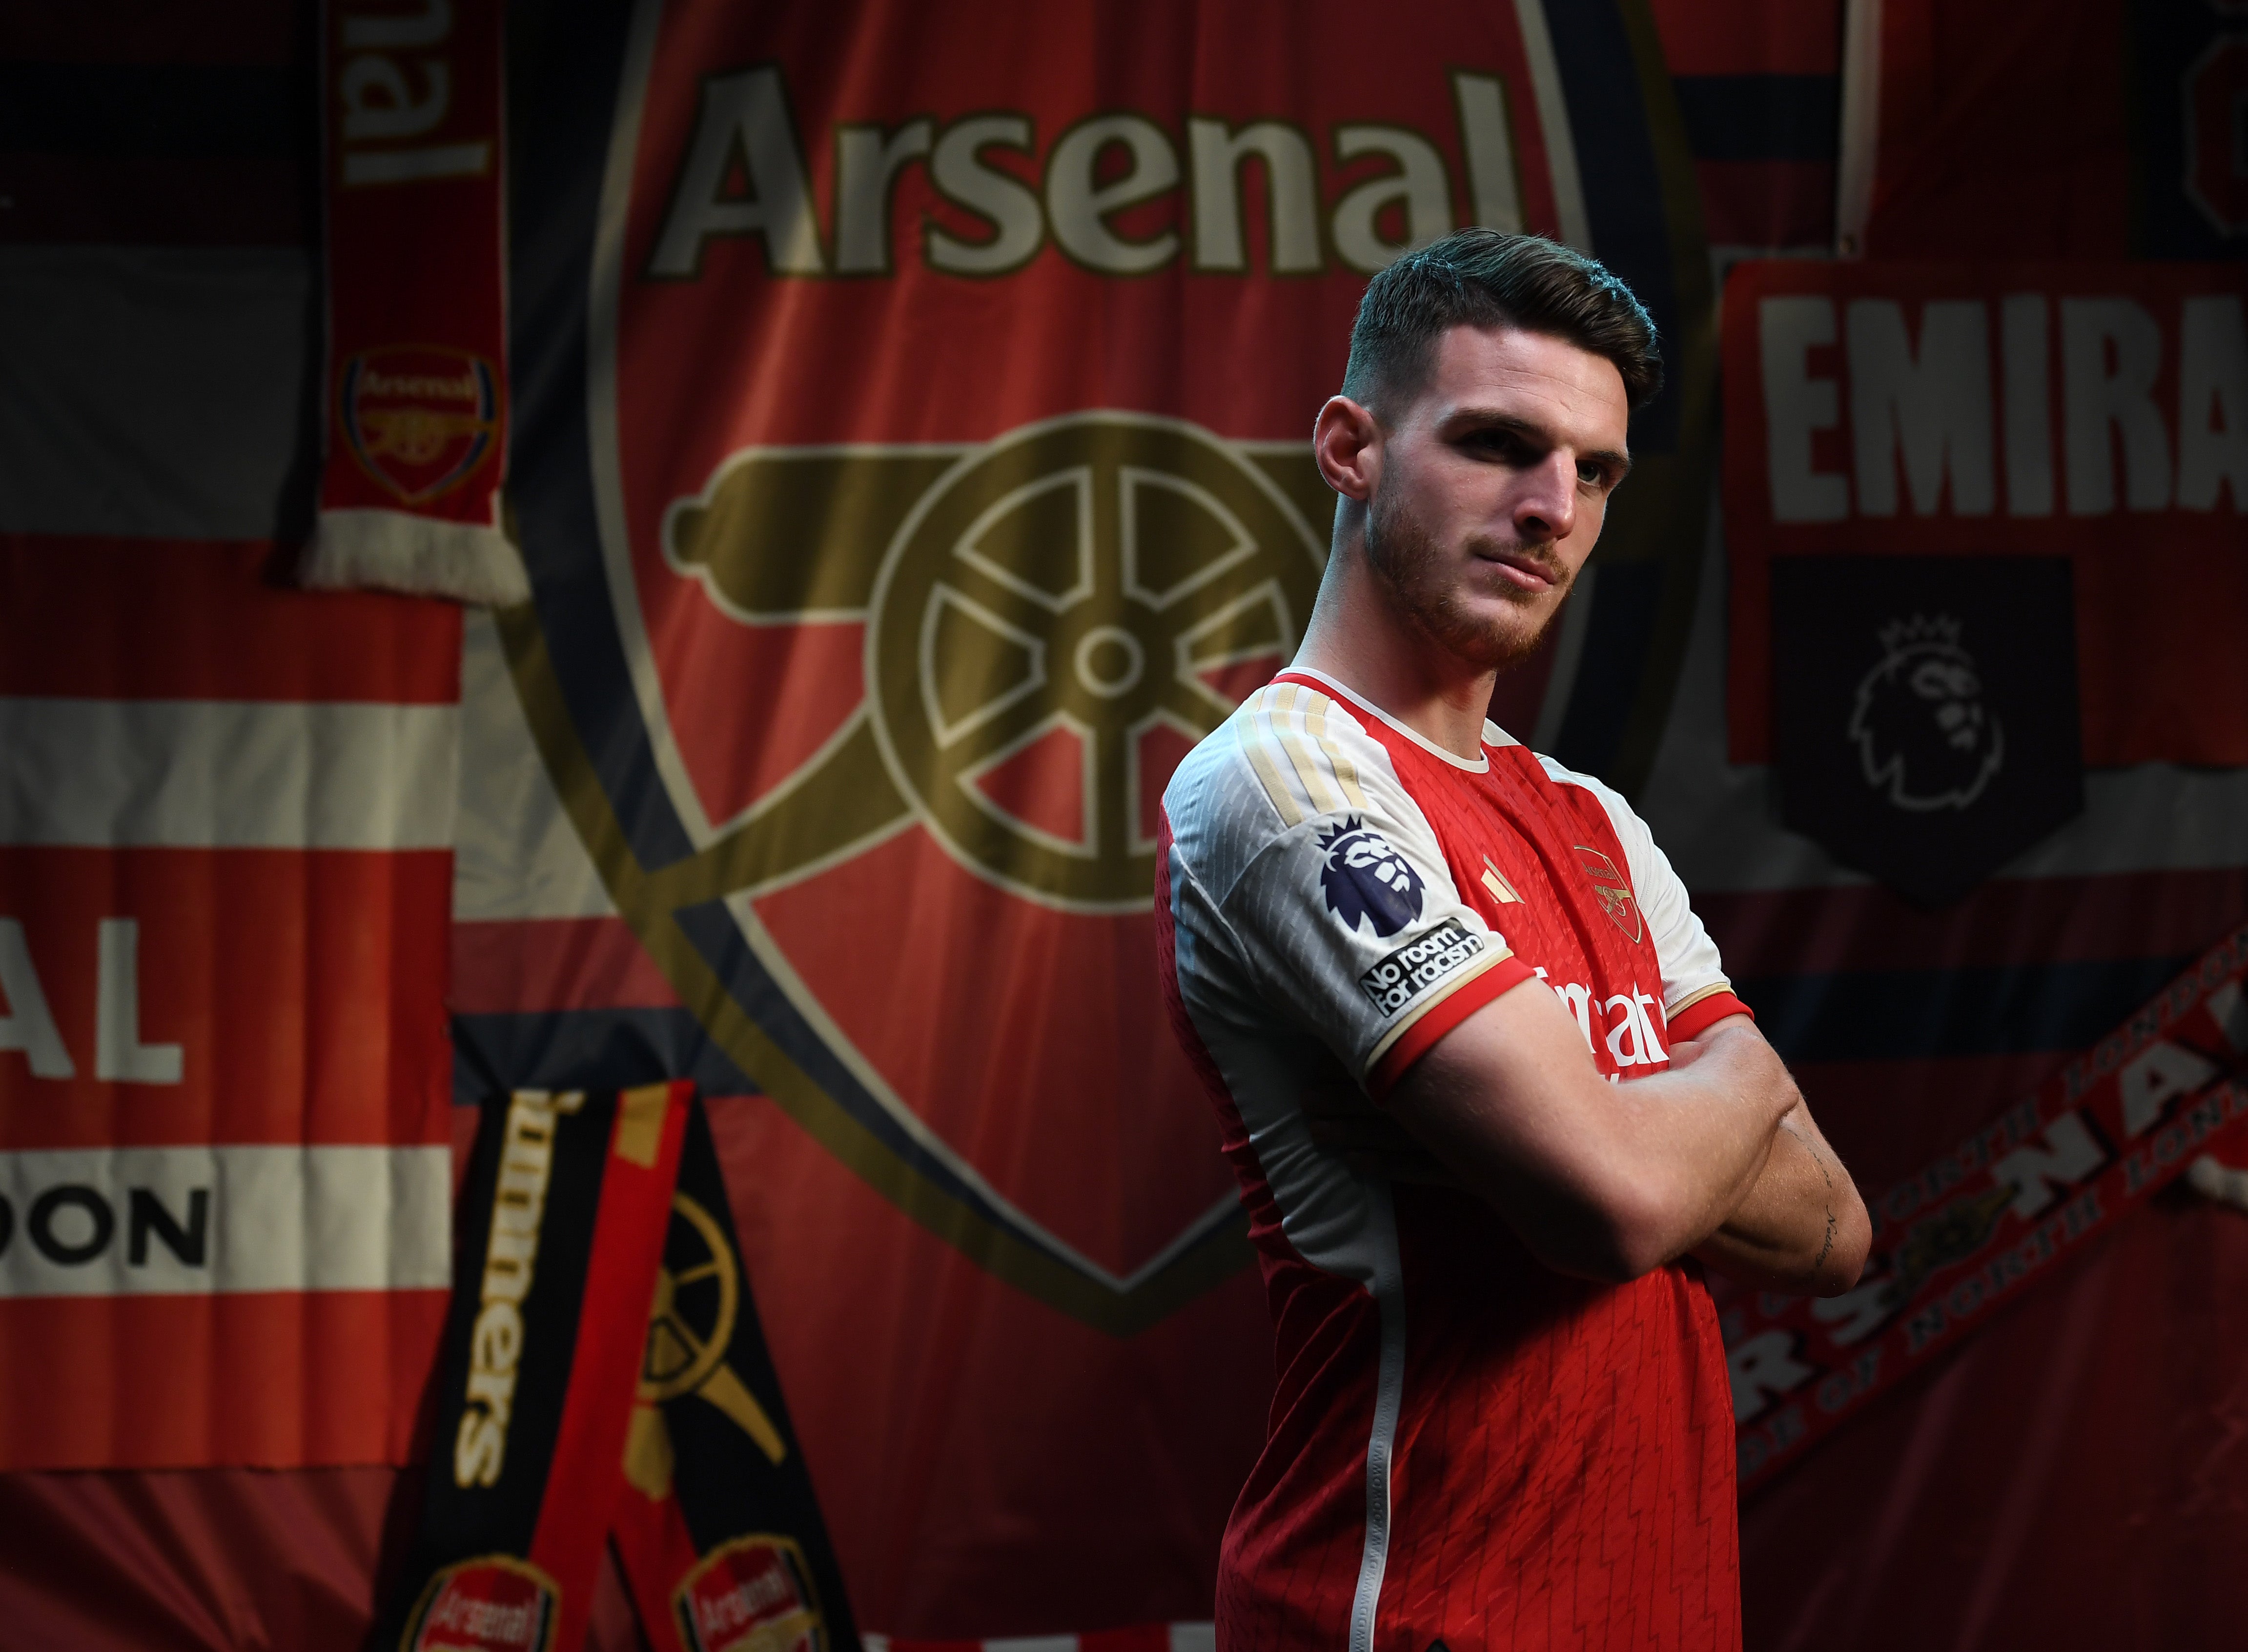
[191,1221]
[227,774]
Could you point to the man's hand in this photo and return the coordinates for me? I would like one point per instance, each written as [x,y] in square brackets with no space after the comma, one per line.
[1802,1228]
[1604,1180]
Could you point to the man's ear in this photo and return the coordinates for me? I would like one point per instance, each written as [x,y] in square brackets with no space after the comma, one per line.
[1346,443]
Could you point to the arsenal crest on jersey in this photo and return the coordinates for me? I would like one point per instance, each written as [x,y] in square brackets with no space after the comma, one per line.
[1614,890]
[419,418]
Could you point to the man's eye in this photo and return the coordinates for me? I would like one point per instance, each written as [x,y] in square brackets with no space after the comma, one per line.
[1590,473]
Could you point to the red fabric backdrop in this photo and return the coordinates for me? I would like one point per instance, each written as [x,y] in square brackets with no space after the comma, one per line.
[2073,1476]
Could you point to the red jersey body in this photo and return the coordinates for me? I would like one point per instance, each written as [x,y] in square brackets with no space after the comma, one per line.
[1465,1446]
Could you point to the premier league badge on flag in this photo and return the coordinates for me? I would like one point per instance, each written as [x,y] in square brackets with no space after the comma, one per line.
[1925,711]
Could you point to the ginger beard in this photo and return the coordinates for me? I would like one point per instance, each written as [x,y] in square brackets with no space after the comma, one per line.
[1459,600]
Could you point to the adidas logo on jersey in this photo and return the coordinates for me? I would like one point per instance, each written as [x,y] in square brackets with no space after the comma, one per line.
[1501,890]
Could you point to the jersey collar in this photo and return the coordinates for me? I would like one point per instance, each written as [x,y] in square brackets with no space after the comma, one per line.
[1492,734]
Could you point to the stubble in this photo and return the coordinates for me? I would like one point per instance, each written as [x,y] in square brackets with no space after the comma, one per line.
[1424,581]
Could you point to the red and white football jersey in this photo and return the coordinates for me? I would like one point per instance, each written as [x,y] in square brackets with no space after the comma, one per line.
[1465,1446]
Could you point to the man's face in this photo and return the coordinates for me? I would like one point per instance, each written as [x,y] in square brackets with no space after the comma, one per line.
[1494,481]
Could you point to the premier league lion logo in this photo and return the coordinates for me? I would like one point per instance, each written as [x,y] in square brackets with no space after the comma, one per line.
[1365,877]
[1925,738]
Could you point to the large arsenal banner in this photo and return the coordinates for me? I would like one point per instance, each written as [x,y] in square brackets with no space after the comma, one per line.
[916,465]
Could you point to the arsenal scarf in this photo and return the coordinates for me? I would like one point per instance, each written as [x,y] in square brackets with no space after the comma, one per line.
[605,1377]
[563,1223]
[1951,1243]
[718,1531]
[415,400]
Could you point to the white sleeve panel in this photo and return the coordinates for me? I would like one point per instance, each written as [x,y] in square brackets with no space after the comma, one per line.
[1689,957]
[1322,876]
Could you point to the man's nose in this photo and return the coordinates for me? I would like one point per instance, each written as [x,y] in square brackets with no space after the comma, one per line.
[1545,506]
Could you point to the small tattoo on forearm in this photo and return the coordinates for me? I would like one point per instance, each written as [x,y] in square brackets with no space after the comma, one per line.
[1825,1176]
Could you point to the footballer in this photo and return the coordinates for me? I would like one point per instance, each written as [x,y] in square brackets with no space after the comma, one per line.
[1491,1099]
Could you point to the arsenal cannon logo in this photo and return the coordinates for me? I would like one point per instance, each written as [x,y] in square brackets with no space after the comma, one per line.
[922,788]
[1052,622]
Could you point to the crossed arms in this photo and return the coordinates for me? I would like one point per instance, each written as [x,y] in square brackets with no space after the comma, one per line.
[1716,1157]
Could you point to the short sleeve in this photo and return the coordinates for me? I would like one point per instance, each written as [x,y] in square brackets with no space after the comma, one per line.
[1696,991]
[1332,891]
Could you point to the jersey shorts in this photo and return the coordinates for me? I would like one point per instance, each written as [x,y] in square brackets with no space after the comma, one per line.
[1465,1447]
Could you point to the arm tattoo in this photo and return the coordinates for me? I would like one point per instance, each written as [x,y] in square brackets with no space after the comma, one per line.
[1821,1259]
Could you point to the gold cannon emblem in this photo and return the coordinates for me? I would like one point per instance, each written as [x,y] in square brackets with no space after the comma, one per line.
[1051,620]
[691,1325]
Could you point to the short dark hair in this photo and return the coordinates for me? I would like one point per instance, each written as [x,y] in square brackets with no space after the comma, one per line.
[1488,278]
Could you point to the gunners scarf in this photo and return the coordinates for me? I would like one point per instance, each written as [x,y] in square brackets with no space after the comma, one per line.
[605,1379]
[563,1218]
[718,1531]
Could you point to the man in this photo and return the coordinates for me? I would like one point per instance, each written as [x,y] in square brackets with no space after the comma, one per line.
[1491,1100]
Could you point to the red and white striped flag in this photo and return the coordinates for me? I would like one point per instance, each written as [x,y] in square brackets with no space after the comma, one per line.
[226,819]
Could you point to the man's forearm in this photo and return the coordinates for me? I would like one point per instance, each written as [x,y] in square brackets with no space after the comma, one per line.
[1709,1132]
[1602,1179]
[1802,1226]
